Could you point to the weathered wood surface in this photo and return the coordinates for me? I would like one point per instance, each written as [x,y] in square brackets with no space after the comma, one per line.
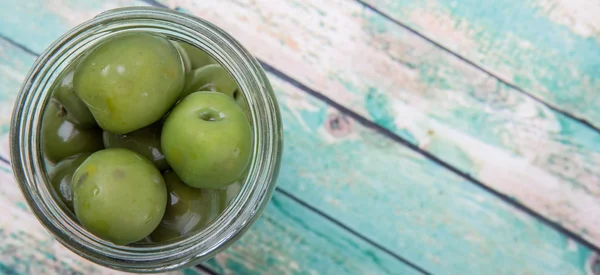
[431,217]
[427,214]
[407,85]
[428,97]
[549,48]
[410,87]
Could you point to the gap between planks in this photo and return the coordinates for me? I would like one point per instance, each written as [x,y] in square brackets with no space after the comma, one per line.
[478,67]
[206,269]
[2,159]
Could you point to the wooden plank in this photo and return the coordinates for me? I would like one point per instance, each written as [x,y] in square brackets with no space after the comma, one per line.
[412,88]
[288,238]
[551,49]
[428,97]
[407,202]
[426,214]
[14,64]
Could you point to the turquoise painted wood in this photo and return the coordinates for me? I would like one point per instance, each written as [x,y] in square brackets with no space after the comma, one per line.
[412,88]
[291,239]
[550,49]
[430,216]
[428,97]
[440,215]
[15,64]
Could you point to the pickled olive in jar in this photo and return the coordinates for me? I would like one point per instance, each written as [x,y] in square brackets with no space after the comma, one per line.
[129,81]
[188,209]
[75,110]
[62,175]
[207,140]
[212,78]
[197,57]
[118,195]
[61,138]
[145,141]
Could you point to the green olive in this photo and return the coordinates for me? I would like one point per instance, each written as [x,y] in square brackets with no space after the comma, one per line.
[209,78]
[61,138]
[62,175]
[130,80]
[207,140]
[48,165]
[76,111]
[118,195]
[187,63]
[145,141]
[188,209]
[198,58]
[241,101]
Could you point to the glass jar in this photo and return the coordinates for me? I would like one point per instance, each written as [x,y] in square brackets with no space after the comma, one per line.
[243,210]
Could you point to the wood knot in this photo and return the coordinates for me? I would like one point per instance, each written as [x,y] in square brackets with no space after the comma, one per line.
[338,125]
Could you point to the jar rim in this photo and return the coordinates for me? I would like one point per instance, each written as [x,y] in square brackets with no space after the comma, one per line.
[27,160]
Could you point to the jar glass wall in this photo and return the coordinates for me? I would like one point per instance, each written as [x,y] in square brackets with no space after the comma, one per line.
[243,210]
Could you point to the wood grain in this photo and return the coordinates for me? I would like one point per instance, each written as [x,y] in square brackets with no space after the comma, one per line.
[390,194]
[407,85]
[406,202]
[14,64]
[550,48]
[290,239]
[431,216]
[508,141]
